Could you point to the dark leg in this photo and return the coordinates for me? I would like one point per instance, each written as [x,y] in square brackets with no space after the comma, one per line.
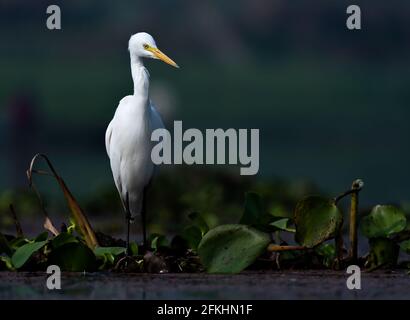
[143,218]
[128,219]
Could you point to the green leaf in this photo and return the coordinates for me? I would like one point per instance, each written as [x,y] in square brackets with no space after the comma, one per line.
[193,236]
[108,254]
[114,251]
[110,258]
[231,248]
[405,246]
[133,249]
[41,237]
[199,221]
[7,263]
[62,239]
[254,213]
[383,252]
[17,243]
[75,257]
[282,224]
[158,240]
[280,211]
[328,252]
[317,219]
[24,253]
[72,227]
[383,221]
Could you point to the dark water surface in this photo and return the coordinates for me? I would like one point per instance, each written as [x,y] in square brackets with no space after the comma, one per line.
[321,284]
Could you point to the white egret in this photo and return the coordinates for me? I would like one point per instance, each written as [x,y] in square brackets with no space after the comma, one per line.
[128,136]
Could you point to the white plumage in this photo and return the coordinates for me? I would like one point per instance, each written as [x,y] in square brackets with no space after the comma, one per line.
[128,136]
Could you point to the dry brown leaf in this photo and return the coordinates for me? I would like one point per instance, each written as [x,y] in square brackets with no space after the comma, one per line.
[76,211]
[48,225]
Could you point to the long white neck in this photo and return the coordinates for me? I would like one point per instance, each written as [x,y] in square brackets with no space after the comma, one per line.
[140,77]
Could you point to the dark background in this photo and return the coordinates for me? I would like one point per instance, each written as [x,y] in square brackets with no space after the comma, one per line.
[331,104]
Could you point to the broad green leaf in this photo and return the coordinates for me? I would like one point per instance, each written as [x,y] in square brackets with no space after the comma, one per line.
[114,251]
[24,253]
[383,252]
[231,248]
[405,246]
[317,219]
[62,239]
[282,224]
[383,221]
[73,257]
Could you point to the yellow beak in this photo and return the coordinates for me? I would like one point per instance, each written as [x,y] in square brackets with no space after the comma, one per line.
[162,56]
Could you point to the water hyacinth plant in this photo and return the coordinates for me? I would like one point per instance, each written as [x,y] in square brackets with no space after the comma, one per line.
[264,238]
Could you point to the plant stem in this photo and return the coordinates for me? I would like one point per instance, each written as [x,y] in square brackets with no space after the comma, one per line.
[275,248]
[339,246]
[357,185]
[353,226]
[354,208]
[344,194]
[16,221]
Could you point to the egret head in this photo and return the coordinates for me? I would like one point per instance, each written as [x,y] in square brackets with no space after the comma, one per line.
[142,45]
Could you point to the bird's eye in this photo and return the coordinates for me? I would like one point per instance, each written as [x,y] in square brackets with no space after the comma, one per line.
[145,46]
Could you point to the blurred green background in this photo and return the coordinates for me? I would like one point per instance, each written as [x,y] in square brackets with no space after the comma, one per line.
[331,104]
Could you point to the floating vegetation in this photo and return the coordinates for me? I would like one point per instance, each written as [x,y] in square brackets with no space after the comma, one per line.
[255,242]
